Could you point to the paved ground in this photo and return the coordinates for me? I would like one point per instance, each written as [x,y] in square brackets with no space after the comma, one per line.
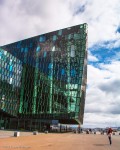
[65,141]
[4,134]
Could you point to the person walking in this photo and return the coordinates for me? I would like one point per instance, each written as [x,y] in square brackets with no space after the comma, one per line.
[109,133]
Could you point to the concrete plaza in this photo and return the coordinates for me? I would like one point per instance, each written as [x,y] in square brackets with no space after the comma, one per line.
[56,141]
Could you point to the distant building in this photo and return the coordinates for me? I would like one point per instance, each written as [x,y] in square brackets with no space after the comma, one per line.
[43,79]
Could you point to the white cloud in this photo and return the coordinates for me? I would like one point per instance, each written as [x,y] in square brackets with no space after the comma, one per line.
[92,57]
[22,19]
[96,75]
[103,120]
[115,43]
[112,68]
[117,56]
[103,100]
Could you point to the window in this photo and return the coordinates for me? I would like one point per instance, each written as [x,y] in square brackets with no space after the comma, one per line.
[63,72]
[45,54]
[42,39]
[72,51]
[38,49]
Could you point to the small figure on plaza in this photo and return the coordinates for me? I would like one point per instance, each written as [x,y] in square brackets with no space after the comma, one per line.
[109,133]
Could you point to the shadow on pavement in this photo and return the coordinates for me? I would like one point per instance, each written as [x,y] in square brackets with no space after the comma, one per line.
[101,144]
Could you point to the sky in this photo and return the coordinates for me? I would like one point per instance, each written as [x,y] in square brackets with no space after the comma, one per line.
[21,19]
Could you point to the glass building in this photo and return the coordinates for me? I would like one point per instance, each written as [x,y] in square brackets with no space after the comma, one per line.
[43,79]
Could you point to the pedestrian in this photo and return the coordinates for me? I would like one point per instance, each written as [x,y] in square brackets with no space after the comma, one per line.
[109,133]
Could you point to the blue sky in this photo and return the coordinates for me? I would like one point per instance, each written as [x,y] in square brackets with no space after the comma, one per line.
[22,19]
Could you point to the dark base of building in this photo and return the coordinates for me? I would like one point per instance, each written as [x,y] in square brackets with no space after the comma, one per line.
[31,124]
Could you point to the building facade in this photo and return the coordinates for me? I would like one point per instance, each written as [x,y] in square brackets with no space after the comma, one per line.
[43,79]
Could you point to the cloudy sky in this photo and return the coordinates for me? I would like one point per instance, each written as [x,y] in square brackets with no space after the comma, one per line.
[20,19]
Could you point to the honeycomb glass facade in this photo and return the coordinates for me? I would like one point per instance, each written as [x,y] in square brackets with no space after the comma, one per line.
[10,76]
[44,78]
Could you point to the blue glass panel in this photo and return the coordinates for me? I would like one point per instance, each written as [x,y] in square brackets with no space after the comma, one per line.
[22,49]
[54,37]
[69,36]
[0,53]
[10,74]
[19,44]
[50,66]
[31,44]
[10,63]
[73,72]
[62,71]
[42,39]
[26,50]
[45,54]
[11,67]
[7,67]
[60,32]
[38,49]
